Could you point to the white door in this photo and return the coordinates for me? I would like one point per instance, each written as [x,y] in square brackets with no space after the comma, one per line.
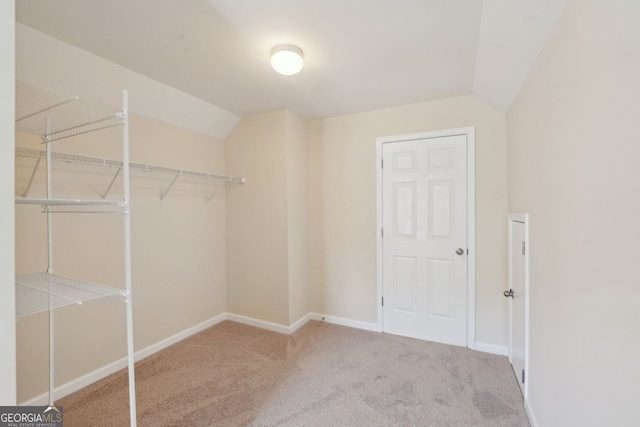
[424,214]
[517,294]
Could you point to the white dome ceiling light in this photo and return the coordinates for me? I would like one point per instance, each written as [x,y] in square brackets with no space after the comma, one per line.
[286,59]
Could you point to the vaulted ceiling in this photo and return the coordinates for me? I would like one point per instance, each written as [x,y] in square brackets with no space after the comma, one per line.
[359,54]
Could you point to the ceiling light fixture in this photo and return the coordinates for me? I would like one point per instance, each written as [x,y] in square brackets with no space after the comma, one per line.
[286,59]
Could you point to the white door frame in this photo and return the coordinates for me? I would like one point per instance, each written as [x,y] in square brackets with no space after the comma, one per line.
[522,218]
[469,132]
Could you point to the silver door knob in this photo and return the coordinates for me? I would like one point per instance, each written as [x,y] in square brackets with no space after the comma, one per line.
[460,251]
[508,293]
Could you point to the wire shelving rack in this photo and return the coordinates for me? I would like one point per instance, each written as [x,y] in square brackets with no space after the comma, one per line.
[55,116]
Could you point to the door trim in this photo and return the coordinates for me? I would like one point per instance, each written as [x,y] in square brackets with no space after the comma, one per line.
[524,219]
[469,132]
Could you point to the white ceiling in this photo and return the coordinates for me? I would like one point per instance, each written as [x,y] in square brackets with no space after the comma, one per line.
[359,54]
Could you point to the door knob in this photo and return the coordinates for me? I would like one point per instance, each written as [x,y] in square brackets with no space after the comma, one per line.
[508,293]
[460,251]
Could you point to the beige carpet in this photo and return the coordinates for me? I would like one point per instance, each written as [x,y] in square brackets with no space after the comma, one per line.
[323,375]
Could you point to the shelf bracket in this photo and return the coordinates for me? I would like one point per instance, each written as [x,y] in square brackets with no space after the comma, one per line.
[33,174]
[170,185]
[111,184]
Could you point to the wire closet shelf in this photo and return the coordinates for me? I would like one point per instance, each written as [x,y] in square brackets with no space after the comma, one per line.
[135,167]
[76,206]
[39,292]
[73,116]
[63,102]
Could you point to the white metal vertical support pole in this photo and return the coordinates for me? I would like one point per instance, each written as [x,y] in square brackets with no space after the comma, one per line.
[127,257]
[50,263]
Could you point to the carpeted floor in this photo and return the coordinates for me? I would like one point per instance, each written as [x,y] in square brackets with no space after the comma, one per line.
[323,375]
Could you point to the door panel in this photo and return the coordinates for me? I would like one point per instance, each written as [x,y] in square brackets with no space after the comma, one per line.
[404,162]
[441,199]
[425,222]
[406,284]
[405,215]
[441,288]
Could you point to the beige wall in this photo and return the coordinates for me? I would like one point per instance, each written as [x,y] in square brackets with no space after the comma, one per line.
[573,166]
[7,251]
[178,250]
[343,206]
[298,215]
[267,218]
[257,228]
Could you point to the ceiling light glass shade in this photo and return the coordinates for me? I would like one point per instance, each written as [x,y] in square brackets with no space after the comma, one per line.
[286,59]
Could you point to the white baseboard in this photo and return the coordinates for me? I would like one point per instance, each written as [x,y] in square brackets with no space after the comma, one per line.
[276,327]
[316,316]
[300,323]
[161,345]
[358,324]
[270,326]
[532,418]
[492,348]
[103,372]
[77,384]
[263,324]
